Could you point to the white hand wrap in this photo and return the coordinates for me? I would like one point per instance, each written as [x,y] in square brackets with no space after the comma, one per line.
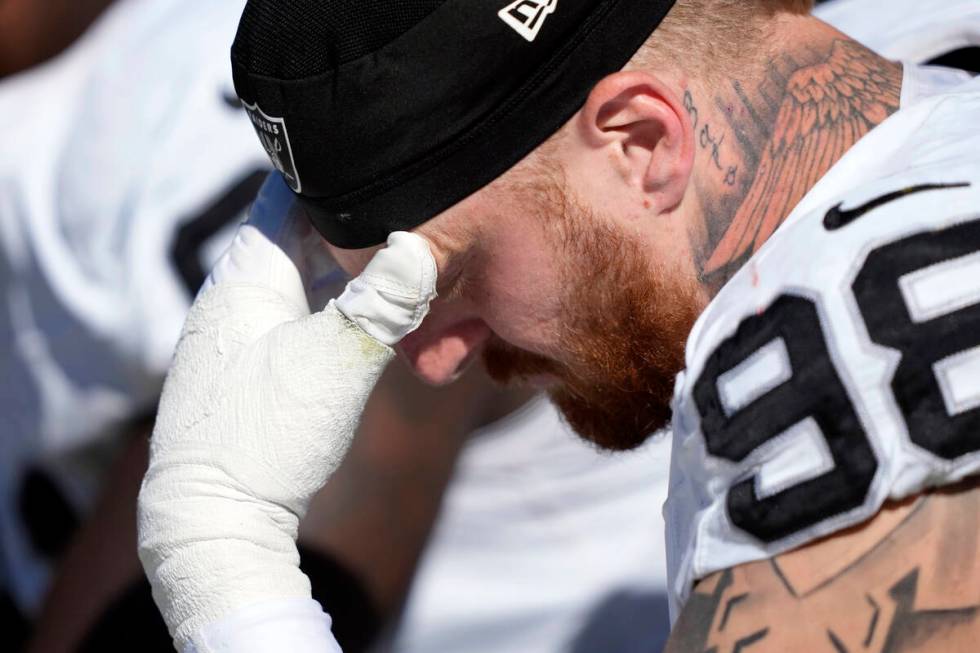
[257,412]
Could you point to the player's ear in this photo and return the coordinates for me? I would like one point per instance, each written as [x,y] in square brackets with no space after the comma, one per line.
[642,124]
[441,349]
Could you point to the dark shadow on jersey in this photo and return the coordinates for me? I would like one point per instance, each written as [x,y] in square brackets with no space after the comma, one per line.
[133,623]
[967,59]
[625,622]
[14,627]
[49,518]
[194,232]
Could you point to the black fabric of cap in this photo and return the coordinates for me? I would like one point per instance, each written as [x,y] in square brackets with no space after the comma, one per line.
[384,113]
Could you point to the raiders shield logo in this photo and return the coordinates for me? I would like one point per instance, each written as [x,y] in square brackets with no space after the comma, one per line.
[275,139]
[527,16]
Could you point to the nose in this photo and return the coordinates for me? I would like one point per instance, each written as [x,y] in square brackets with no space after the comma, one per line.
[439,352]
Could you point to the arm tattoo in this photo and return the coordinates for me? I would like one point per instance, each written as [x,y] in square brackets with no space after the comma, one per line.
[914,590]
[789,133]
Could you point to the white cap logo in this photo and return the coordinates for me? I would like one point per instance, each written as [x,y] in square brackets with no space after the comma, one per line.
[527,16]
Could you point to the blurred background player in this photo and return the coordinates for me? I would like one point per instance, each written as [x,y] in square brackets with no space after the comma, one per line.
[126,161]
[107,203]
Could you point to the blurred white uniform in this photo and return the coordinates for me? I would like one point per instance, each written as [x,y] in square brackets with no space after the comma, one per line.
[117,157]
[106,153]
[907,30]
[544,545]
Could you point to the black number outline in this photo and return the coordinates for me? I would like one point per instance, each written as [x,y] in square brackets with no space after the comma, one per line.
[840,490]
[185,250]
[915,392]
[915,397]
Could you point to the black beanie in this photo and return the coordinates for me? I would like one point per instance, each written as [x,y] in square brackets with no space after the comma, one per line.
[380,114]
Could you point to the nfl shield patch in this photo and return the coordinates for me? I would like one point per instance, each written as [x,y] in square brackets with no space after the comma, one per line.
[275,139]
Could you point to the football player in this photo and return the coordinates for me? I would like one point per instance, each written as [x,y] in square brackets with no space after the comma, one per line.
[112,210]
[605,195]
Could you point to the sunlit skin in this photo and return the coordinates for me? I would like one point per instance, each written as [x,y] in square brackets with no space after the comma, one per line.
[629,152]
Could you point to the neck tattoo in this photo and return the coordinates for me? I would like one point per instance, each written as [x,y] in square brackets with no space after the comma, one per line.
[770,146]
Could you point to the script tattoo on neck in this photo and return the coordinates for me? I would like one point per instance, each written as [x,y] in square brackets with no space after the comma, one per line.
[780,139]
[708,141]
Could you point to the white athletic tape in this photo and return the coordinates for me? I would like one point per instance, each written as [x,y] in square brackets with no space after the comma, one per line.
[258,410]
[292,625]
[379,301]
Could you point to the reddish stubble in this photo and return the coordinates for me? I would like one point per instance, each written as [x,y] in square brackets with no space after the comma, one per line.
[623,328]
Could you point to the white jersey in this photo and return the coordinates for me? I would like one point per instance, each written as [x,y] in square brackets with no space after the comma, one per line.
[840,367]
[907,30]
[543,545]
[119,160]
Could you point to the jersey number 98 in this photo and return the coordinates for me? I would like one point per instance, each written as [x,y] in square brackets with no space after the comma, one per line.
[910,303]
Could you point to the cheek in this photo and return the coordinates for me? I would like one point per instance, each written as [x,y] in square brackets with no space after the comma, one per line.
[518,296]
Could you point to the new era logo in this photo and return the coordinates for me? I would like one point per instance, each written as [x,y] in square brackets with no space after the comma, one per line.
[527,16]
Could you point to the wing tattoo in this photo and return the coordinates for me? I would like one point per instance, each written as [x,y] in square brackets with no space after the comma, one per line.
[827,108]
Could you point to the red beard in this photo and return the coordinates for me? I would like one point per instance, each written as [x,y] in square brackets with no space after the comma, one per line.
[623,340]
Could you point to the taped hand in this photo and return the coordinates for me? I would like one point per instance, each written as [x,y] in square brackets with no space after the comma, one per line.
[258,410]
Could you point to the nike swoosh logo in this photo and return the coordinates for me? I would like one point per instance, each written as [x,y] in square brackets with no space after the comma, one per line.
[838,218]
